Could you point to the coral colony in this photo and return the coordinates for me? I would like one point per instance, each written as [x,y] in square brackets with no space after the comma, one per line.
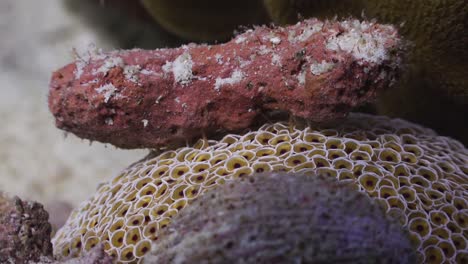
[419,178]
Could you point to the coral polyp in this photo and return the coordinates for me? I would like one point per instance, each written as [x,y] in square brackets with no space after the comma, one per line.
[418,177]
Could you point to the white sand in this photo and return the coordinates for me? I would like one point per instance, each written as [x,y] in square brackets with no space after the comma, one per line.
[36,161]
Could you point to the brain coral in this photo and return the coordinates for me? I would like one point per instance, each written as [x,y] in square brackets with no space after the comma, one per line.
[417,176]
[279,218]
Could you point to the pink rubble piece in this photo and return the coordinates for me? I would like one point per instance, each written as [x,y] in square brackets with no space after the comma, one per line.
[162,98]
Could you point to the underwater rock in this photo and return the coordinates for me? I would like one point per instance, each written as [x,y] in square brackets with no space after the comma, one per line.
[418,177]
[24,231]
[206,20]
[164,98]
[280,218]
[434,90]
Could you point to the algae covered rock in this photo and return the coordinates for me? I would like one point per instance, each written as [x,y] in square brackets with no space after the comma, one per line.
[205,20]
[436,83]
[24,231]
[282,218]
[418,177]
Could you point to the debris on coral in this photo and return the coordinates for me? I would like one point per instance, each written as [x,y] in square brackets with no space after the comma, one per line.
[280,218]
[24,231]
[149,99]
[417,176]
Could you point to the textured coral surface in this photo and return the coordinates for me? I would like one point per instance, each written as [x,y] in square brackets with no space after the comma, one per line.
[417,176]
[280,218]
[315,70]
[24,231]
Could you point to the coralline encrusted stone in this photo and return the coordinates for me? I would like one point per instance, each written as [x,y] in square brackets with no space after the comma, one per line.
[24,231]
[314,70]
[283,218]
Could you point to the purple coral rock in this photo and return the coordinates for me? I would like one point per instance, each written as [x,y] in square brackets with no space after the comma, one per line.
[24,231]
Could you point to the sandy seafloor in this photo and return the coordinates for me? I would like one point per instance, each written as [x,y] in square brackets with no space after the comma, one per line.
[36,160]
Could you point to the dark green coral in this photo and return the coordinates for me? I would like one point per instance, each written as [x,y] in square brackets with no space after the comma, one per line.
[205,20]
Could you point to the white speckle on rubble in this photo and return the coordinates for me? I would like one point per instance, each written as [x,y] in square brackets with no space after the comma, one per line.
[131,71]
[276,60]
[321,67]
[146,72]
[167,68]
[79,68]
[275,40]
[84,57]
[108,64]
[219,58]
[240,39]
[263,50]
[158,100]
[301,77]
[309,31]
[107,91]
[109,121]
[236,77]
[360,44]
[177,100]
[181,68]
[243,63]
[145,122]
